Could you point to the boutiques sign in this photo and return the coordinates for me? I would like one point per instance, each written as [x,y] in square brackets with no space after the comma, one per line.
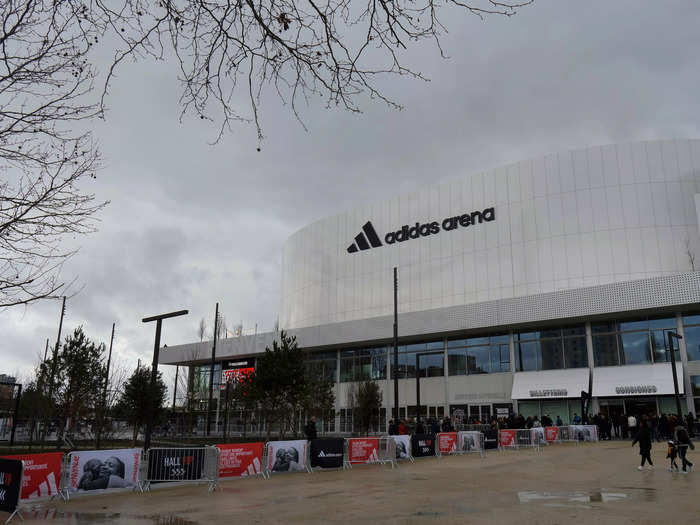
[635,389]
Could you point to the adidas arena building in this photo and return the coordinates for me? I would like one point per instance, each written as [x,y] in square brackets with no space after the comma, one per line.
[518,288]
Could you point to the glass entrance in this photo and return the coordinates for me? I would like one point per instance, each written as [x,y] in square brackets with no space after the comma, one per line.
[641,407]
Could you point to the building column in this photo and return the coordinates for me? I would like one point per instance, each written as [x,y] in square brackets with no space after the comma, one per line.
[511,348]
[595,406]
[337,391]
[684,360]
[446,379]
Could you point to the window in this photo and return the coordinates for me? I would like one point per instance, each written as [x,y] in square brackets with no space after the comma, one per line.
[322,365]
[636,341]
[363,364]
[431,364]
[691,330]
[551,349]
[695,385]
[479,355]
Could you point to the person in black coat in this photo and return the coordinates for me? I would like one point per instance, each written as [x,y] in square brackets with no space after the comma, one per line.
[643,437]
[310,429]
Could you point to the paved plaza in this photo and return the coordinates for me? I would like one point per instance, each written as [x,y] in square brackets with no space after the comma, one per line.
[563,484]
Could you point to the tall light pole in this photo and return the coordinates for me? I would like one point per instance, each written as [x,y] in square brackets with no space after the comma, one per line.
[396,347]
[671,335]
[154,369]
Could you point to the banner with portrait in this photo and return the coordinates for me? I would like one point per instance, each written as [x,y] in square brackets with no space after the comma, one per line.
[42,474]
[422,445]
[327,452]
[447,442]
[506,438]
[104,469]
[584,432]
[240,460]
[287,456]
[175,464]
[403,446]
[363,450]
[10,484]
[538,434]
[469,441]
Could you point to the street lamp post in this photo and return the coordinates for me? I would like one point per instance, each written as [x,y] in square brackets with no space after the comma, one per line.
[671,335]
[154,369]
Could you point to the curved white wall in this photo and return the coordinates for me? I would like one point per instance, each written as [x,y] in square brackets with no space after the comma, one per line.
[581,218]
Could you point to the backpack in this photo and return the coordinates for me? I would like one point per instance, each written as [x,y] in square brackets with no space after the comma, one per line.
[683,436]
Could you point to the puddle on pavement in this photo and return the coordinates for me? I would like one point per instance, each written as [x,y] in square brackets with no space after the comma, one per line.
[85,518]
[569,499]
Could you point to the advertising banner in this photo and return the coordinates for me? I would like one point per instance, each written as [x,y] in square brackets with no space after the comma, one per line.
[551,433]
[104,469]
[423,445]
[42,474]
[447,442]
[175,464]
[538,434]
[506,438]
[240,460]
[469,441]
[287,456]
[403,446]
[363,450]
[584,432]
[327,453]
[10,484]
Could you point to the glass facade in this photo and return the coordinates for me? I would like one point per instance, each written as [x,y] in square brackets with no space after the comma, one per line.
[638,341]
[691,333]
[322,365]
[363,364]
[431,361]
[551,349]
[479,355]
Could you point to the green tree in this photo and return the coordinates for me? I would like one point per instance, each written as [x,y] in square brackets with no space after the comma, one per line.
[366,404]
[78,379]
[283,389]
[138,399]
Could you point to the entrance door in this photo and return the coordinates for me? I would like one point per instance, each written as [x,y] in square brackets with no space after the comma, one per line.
[641,407]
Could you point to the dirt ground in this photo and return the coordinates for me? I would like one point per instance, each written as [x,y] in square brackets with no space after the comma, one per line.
[563,484]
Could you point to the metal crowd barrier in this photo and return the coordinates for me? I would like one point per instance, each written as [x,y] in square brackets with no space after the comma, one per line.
[522,438]
[64,482]
[470,442]
[266,456]
[185,465]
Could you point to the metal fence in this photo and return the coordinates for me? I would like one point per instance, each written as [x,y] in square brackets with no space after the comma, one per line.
[284,458]
[189,464]
[471,442]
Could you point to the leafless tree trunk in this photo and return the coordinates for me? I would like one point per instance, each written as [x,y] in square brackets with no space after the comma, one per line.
[690,253]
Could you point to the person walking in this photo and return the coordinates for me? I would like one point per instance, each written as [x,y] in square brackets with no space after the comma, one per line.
[682,438]
[643,437]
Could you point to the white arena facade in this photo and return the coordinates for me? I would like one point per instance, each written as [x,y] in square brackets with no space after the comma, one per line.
[518,288]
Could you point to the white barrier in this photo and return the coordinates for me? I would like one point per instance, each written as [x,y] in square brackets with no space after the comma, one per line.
[287,456]
[471,442]
[517,438]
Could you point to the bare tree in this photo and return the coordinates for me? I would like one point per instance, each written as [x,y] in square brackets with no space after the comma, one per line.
[44,78]
[202,329]
[336,50]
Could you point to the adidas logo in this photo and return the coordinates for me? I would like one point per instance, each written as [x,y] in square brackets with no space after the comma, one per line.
[361,241]
[323,454]
[368,236]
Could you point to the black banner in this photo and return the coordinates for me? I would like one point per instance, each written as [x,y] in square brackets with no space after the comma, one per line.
[327,453]
[423,445]
[175,464]
[10,483]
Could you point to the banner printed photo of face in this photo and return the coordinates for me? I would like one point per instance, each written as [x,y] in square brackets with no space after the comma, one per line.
[104,469]
[403,446]
[287,456]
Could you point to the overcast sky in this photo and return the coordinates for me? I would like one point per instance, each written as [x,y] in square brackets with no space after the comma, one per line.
[191,224]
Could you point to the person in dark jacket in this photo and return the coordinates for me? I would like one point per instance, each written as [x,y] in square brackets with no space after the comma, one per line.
[682,438]
[310,429]
[643,437]
[447,425]
[393,428]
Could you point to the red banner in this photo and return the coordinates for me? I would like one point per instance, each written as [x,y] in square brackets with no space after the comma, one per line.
[551,433]
[447,442]
[363,450]
[42,474]
[240,460]
[506,438]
